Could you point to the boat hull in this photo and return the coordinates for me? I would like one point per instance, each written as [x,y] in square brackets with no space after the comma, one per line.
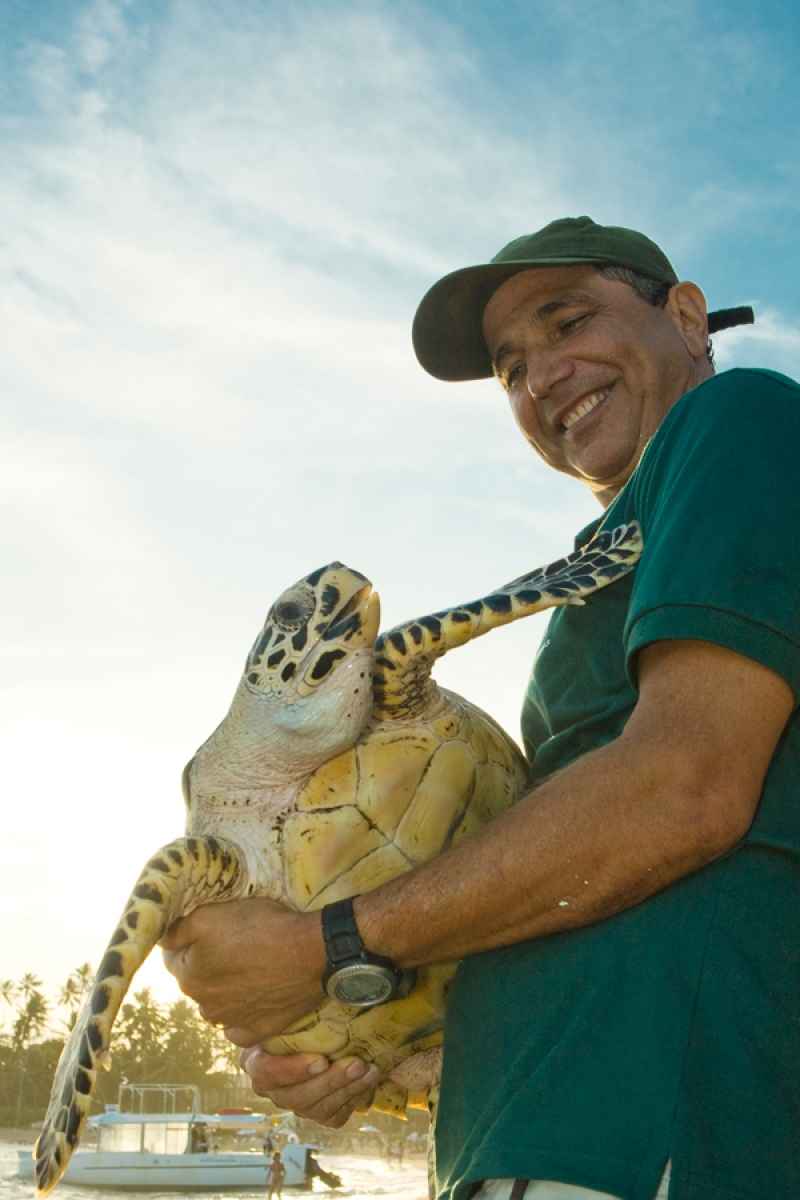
[174,1172]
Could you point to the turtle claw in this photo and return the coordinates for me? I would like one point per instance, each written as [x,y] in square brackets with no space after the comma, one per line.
[58,1139]
[50,1159]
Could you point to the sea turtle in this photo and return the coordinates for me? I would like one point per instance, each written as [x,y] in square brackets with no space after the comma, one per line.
[339,765]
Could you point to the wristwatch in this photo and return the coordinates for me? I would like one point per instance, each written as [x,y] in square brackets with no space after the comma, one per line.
[353,974]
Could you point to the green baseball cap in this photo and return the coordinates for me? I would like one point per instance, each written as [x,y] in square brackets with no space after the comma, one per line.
[447,331]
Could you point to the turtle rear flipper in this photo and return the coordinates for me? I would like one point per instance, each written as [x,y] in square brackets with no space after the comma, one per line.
[181,876]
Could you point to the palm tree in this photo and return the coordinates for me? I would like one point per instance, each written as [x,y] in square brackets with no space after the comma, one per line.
[73,991]
[188,1053]
[31,1017]
[84,976]
[29,984]
[139,1037]
[30,1023]
[8,991]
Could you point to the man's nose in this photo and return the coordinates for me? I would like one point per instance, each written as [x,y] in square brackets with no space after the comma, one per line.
[545,369]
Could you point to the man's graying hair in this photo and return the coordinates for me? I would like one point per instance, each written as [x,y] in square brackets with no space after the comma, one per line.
[652,291]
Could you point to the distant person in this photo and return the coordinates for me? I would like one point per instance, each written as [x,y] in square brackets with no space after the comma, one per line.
[312,1167]
[395,1150]
[275,1174]
[199,1138]
[315,1171]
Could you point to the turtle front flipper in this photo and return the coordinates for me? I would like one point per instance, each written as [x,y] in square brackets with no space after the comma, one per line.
[405,655]
[181,876]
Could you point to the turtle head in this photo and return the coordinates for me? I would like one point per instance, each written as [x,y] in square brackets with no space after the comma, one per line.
[306,690]
[304,697]
[313,629]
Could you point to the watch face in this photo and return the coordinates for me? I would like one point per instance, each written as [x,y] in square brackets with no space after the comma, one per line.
[362,984]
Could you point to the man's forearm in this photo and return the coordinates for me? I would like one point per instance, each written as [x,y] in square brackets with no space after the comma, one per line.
[605,833]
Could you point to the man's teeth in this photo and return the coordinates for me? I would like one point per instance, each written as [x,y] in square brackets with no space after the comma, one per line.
[580,410]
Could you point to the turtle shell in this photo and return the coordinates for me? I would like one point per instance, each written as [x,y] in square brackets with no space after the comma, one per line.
[405,792]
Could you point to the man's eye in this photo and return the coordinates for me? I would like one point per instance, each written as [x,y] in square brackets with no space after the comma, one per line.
[514,374]
[572,323]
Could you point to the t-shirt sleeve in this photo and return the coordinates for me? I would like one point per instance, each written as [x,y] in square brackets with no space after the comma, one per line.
[718,500]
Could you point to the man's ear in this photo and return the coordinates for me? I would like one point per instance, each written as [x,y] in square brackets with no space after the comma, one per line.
[686,305]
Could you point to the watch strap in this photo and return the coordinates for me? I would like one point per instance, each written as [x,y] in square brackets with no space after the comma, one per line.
[342,940]
[343,946]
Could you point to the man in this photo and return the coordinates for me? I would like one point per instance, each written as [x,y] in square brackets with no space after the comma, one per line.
[199,1138]
[275,1174]
[315,1171]
[630,991]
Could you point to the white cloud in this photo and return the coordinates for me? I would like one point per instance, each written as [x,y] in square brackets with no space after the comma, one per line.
[771,327]
[100,27]
[773,342]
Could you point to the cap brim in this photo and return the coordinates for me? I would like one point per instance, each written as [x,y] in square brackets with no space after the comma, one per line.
[448,325]
[447,332]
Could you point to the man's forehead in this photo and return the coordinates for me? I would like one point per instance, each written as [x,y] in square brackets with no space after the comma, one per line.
[538,294]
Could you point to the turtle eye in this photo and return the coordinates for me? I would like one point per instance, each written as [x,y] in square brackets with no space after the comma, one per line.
[293,609]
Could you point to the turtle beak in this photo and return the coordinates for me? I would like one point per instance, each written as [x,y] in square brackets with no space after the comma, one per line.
[371,618]
[356,623]
[352,632]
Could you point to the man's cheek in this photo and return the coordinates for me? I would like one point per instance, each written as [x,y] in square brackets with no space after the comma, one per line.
[523,409]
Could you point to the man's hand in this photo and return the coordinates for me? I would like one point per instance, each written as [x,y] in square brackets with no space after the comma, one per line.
[253,966]
[310,1086]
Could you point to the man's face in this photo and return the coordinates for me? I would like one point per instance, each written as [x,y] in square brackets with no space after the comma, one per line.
[590,368]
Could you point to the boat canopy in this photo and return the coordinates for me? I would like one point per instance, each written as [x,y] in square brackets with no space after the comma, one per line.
[112,1116]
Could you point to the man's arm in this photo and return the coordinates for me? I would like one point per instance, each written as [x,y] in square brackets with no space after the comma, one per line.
[676,790]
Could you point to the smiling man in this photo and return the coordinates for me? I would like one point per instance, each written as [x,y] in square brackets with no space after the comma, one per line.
[629,1000]
[589,413]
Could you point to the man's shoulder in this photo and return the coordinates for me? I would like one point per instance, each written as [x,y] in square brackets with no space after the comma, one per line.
[730,401]
[739,384]
[738,424]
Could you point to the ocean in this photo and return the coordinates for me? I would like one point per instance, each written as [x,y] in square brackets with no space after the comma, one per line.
[362,1179]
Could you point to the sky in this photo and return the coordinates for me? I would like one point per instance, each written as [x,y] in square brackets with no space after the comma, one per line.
[216,221]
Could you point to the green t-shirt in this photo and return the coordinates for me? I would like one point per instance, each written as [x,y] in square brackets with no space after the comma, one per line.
[671,1030]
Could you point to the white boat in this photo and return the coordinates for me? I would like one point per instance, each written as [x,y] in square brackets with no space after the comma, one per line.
[161,1150]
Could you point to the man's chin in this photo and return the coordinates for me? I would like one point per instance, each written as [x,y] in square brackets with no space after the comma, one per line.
[604,477]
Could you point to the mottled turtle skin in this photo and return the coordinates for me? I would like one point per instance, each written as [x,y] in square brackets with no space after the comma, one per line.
[339,765]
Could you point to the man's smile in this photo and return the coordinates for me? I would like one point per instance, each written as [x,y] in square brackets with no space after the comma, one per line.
[579,411]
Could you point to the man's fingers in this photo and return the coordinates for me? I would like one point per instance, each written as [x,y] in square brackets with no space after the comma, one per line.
[246,1038]
[360,1102]
[332,1107]
[209,1017]
[280,1070]
[328,1098]
[336,1107]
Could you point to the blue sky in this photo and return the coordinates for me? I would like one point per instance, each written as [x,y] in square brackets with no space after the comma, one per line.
[217,220]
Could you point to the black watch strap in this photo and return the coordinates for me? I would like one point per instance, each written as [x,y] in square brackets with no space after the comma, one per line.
[342,937]
[343,945]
